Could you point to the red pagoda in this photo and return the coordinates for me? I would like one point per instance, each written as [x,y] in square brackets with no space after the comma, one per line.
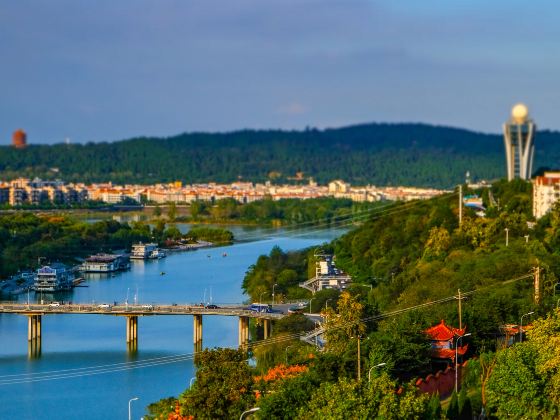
[444,338]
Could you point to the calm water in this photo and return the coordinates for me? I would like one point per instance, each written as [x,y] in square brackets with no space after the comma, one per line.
[85,371]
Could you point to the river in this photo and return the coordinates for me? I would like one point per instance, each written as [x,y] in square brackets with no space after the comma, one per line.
[85,371]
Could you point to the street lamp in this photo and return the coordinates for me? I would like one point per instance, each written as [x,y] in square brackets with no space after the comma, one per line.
[273,286]
[456,348]
[327,303]
[373,367]
[252,410]
[291,345]
[192,380]
[521,326]
[129,403]
[507,236]
[260,297]
[310,300]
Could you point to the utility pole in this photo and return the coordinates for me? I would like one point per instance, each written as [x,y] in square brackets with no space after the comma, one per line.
[460,311]
[359,361]
[460,204]
[507,236]
[537,282]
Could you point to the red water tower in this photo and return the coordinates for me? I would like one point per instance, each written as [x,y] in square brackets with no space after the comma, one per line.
[19,139]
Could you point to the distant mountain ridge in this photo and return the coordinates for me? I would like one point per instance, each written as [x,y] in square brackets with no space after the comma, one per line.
[377,153]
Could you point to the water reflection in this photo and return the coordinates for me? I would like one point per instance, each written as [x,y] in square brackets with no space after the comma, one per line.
[67,382]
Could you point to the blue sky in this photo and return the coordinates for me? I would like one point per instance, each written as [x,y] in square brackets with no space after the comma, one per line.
[108,70]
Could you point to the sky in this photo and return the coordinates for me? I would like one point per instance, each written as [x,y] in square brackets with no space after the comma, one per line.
[107,70]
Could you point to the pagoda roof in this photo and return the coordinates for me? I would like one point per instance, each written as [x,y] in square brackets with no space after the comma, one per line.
[443,332]
[449,353]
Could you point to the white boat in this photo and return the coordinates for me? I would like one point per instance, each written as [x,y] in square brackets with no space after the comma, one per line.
[142,251]
[157,254]
[54,277]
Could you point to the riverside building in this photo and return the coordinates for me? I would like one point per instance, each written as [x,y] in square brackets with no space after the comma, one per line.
[546,192]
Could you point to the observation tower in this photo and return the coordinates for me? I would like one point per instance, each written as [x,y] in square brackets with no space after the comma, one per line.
[519,136]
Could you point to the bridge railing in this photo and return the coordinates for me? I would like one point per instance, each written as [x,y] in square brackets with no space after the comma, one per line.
[123,309]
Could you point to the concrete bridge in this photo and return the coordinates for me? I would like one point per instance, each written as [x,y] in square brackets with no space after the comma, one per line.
[35,312]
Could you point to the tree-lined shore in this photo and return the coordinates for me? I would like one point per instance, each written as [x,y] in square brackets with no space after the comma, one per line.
[407,265]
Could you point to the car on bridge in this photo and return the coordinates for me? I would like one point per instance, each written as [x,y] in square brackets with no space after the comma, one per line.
[296,310]
[260,307]
[54,304]
[212,306]
[148,307]
[104,306]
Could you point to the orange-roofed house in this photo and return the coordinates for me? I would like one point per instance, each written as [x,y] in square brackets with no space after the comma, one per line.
[444,339]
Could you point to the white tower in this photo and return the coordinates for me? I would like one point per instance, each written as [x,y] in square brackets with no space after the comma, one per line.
[519,135]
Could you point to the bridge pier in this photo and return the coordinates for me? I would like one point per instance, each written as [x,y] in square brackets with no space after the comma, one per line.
[33,327]
[266,328]
[243,330]
[34,335]
[132,332]
[197,332]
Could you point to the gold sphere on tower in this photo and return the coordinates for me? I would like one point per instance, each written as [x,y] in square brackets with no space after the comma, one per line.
[520,113]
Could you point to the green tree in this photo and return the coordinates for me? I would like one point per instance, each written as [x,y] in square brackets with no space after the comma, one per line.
[344,325]
[452,412]
[172,232]
[403,346]
[380,398]
[525,381]
[197,209]
[223,385]
[434,407]
[341,400]
[161,409]
[438,243]
[286,401]
[172,211]
[465,408]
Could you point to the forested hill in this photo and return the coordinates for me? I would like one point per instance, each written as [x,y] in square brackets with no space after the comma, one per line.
[380,154]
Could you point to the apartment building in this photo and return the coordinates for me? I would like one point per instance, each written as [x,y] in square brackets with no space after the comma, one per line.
[546,192]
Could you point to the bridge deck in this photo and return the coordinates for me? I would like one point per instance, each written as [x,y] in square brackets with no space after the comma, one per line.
[131,310]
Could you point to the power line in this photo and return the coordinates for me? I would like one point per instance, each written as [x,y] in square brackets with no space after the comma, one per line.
[125,366]
[154,359]
[93,372]
[376,211]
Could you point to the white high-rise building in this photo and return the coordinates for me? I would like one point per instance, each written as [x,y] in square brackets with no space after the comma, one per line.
[519,136]
[546,192]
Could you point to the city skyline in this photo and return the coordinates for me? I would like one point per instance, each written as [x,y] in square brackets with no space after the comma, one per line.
[109,72]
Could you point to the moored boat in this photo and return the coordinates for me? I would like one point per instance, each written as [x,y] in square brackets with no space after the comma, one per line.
[53,278]
[156,254]
[142,251]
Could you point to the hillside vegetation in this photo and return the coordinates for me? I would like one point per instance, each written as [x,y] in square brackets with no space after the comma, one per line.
[414,256]
[382,154]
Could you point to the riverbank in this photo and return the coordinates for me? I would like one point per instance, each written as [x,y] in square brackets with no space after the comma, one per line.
[26,239]
[262,213]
